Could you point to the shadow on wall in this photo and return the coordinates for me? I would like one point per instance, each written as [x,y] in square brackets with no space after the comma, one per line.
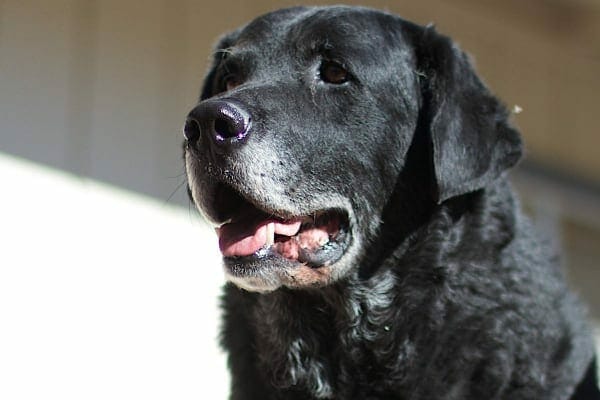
[98,89]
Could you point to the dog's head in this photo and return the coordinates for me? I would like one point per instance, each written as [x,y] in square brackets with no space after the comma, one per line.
[306,128]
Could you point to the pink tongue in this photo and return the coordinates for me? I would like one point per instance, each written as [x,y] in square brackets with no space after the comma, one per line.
[244,239]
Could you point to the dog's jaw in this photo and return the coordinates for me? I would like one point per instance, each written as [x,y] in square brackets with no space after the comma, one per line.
[266,270]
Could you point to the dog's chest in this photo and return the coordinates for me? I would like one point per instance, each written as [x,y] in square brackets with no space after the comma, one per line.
[334,351]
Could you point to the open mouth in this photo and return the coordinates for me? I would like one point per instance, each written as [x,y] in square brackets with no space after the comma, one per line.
[251,234]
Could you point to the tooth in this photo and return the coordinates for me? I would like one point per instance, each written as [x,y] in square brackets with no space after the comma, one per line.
[270,233]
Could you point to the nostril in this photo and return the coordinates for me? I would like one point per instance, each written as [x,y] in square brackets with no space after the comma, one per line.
[231,122]
[191,130]
[224,129]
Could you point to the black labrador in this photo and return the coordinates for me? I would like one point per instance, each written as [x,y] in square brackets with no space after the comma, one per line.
[354,167]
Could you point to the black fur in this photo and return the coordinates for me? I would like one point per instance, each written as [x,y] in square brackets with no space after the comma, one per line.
[588,387]
[445,291]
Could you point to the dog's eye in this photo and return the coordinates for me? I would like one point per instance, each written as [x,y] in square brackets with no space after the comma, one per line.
[334,73]
[231,82]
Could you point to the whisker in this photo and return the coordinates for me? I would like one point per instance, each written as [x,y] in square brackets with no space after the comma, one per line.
[175,191]
[176,176]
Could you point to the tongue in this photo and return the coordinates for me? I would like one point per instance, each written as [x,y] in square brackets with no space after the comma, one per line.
[245,238]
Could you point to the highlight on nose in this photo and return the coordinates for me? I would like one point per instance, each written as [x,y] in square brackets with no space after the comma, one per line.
[222,121]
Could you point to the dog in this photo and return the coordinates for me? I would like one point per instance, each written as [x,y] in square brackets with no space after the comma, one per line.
[354,167]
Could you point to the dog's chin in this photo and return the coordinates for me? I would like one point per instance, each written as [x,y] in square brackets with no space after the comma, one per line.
[268,272]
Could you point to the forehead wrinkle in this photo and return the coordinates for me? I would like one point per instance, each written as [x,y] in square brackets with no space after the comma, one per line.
[271,26]
[337,33]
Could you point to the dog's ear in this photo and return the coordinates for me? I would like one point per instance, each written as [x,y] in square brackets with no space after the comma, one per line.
[471,139]
[209,85]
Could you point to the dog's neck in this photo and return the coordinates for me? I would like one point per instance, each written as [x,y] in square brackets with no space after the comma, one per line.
[303,332]
[300,338]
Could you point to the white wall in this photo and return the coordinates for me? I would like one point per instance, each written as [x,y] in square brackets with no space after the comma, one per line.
[104,294]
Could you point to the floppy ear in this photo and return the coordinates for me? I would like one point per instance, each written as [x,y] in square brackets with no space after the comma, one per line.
[220,53]
[471,139]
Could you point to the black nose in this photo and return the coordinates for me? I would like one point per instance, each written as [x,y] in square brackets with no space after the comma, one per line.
[223,122]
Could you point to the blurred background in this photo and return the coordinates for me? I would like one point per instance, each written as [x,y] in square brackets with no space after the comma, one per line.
[93,95]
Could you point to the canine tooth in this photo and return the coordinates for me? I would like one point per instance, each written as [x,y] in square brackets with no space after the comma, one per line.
[270,233]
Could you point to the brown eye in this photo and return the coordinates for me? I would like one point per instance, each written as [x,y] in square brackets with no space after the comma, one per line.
[231,82]
[334,73]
